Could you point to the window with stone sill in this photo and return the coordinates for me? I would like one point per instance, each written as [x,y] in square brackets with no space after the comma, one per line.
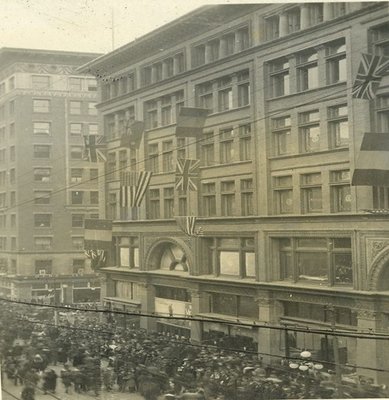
[281,132]
[128,248]
[309,128]
[323,261]
[232,257]
[311,193]
[279,78]
[338,129]
[340,191]
[283,192]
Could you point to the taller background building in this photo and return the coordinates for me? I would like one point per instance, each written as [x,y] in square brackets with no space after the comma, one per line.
[46,189]
[286,239]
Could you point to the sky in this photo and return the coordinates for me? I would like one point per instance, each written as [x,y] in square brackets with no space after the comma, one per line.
[85,25]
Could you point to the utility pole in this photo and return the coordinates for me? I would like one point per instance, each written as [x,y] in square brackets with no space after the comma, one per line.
[112,29]
[335,345]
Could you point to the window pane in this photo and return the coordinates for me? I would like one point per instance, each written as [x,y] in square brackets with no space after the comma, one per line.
[317,243]
[250,264]
[313,266]
[224,304]
[248,307]
[124,257]
[343,269]
[229,263]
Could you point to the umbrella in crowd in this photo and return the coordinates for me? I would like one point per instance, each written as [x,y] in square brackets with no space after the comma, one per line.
[97,356]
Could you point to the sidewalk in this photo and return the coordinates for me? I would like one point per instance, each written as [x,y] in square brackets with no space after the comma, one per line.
[60,394]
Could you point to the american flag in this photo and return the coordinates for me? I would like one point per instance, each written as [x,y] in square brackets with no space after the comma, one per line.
[93,146]
[133,186]
[97,234]
[370,72]
[186,172]
[188,225]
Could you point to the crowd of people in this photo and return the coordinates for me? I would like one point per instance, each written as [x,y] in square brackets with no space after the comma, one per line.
[95,356]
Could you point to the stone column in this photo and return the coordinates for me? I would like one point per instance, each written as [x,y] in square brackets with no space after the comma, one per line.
[283,25]
[208,53]
[304,20]
[176,67]
[153,74]
[238,42]
[327,11]
[147,299]
[268,339]
[199,304]
[370,352]
[164,70]
[223,47]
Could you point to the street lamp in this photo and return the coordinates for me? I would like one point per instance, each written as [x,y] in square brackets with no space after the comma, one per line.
[306,365]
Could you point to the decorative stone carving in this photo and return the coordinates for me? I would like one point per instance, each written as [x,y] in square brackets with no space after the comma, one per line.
[374,247]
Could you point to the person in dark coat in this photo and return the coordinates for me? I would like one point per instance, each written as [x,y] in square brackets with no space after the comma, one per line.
[28,393]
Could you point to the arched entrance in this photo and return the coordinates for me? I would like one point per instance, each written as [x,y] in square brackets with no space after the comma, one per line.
[379,273]
[169,254]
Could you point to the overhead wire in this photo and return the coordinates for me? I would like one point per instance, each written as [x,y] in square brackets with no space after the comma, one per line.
[205,346]
[237,322]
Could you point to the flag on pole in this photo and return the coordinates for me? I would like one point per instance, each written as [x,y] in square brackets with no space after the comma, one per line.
[372,166]
[370,72]
[186,173]
[93,148]
[188,225]
[133,138]
[97,234]
[190,121]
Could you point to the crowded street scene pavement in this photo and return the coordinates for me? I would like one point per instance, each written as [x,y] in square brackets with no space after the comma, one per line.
[84,356]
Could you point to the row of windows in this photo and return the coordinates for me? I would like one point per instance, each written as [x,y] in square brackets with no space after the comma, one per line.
[310,69]
[310,131]
[228,43]
[74,84]
[3,221]
[75,107]
[4,196]
[301,17]
[11,110]
[225,93]
[7,86]
[80,197]
[310,186]
[316,260]
[45,220]
[226,203]
[232,198]
[44,128]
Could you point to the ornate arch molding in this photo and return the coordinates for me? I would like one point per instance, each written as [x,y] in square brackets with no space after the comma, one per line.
[155,251]
[377,266]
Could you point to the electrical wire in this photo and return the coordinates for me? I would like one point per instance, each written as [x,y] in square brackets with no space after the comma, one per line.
[213,347]
[328,332]
[122,168]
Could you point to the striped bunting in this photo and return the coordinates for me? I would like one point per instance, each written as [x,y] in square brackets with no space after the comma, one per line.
[370,72]
[133,186]
[372,166]
[98,258]
[97,234]
[190,121]
[186,171]
[188,225]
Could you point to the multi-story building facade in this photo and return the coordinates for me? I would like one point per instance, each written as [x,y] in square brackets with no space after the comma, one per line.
[286,239]
[46,189]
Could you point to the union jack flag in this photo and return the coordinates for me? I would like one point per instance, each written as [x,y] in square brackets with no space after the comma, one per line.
[93,146]
[188,225]
[186,172]
[370,72]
